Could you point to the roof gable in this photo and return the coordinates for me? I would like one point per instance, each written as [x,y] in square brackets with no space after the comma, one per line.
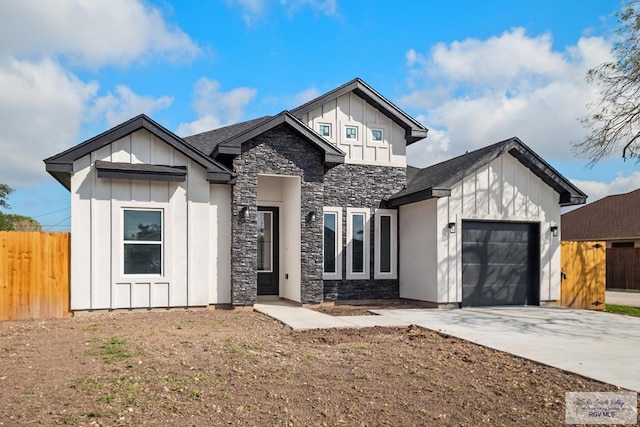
[437,180]
[233,145]
[60,166]
[414,131]
[611,218]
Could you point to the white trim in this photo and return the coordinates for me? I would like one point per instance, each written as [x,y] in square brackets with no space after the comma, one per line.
[366,244]
[393,214]
[337,275]
[139,242]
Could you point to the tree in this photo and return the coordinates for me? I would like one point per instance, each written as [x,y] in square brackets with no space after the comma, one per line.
[14,222]
[5,190]
[614,122]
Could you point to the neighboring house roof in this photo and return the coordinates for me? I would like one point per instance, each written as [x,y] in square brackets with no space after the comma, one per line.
[232,146]
[208,141]
[437,180]
[60,166]
[414,131]
[611,218]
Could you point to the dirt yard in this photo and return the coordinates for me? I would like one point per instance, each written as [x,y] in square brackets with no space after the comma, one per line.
[218,367]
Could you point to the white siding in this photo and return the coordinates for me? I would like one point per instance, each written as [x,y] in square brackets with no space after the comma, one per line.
[504,190]
[418,251]
[351,110]
[195,214]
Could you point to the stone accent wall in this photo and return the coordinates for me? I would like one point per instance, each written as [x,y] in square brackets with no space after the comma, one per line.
[361,186]
[279,152]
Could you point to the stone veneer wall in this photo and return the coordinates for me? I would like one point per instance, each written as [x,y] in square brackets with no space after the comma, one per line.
[361,186]
[279,152]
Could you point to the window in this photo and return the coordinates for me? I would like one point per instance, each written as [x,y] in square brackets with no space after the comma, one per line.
[622,244]
[351,132]
[324,129]
[376,135]
[332,242]
[386,255]
[357,243]
[142,237]
[265,237]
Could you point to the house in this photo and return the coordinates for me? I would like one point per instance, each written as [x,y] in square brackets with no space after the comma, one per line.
[312,205]
[614,220]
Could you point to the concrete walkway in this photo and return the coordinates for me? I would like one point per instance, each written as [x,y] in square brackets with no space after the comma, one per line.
[631,299]
[597,345]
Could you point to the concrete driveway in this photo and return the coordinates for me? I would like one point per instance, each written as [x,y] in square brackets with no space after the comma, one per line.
[602,346]
[631,299]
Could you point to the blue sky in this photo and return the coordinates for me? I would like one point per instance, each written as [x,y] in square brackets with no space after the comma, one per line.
[473,72]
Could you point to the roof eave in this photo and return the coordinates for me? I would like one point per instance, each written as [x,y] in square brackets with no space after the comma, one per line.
[419,196]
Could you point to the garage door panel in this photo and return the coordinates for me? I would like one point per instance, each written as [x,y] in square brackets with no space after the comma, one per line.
[496,232]
[493,253]
[496,295]
[498,263]
[497,275]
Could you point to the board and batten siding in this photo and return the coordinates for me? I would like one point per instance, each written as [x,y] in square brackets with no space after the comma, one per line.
[196,231]
[351,110]
[503,190]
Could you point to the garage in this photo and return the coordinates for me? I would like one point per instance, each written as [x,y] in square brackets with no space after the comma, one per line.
[500,263]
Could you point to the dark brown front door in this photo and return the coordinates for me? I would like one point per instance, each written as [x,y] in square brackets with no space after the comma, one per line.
[268,260]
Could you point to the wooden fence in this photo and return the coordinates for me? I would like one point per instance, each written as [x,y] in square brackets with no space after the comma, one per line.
[623,268]
[583,275]
[34,275]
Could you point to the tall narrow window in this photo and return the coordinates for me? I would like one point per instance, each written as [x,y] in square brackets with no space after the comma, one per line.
[332,241]
[385,244]
[265,239]
[142,241]
[357,243]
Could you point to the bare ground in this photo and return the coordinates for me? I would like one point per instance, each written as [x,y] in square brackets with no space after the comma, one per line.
[217,367]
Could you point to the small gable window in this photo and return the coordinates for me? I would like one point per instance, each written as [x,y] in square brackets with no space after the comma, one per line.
[324,129]
[351,132]
[376,135]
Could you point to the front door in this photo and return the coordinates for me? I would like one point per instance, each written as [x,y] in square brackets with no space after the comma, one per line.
[268,260]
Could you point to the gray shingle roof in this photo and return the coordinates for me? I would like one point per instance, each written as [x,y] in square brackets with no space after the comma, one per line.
[611,218]
[208,141]
[437,180]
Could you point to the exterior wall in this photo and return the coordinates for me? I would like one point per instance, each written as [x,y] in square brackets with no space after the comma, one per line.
[504,190]
[193,216]
[418,251]
[277,152]
[360,186]
[351,110]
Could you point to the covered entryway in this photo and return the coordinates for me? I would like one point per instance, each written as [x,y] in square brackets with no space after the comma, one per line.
[500,263]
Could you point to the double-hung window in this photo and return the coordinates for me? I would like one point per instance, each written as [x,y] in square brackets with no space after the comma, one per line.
[385,249]
[142,241]
[357,243]
[332,243]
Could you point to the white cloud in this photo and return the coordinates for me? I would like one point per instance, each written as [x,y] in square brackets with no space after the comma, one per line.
[216,108]
[596,190]
[40,114]
[252,10]
[483,91]
[125,104]
[91,33]
[44,104]
[325,7]
[255,11]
